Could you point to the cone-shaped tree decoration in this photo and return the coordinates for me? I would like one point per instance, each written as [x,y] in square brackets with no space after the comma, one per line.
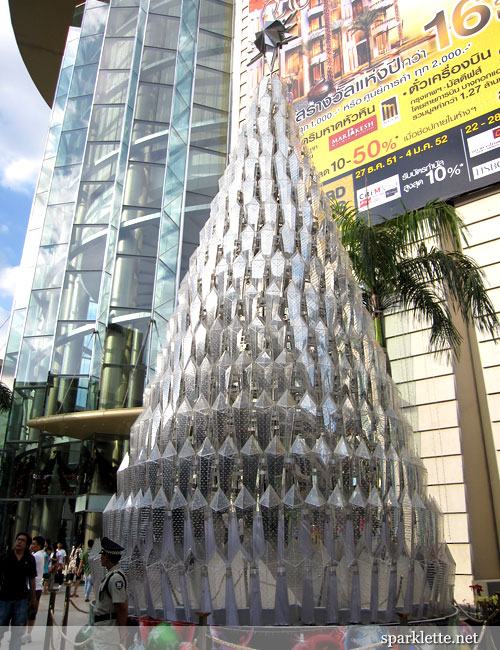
[272,478]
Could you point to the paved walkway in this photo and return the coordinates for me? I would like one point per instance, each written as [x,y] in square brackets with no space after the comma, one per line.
[76,620]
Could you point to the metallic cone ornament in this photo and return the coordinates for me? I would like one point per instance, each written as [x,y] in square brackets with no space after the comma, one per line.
[272,478]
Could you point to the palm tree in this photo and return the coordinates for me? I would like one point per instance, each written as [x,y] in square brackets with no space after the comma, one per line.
[398,263]
[5,397]
[363,23]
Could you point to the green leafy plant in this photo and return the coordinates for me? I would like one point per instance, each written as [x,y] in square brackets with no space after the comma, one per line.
[414,261]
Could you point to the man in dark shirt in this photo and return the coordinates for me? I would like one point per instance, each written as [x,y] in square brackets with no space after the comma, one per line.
[17,570]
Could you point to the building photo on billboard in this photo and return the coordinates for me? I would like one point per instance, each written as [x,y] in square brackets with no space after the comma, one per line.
[397,102]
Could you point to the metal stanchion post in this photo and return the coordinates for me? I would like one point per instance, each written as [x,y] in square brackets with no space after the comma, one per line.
[202,629]
[48,628]
[67,598]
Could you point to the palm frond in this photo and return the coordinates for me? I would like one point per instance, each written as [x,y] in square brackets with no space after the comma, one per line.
[436,219]
[5,397]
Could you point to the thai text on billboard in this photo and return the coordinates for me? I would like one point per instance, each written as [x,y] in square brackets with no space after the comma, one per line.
[398,102]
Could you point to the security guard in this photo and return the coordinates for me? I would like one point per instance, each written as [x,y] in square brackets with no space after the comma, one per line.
[111,609]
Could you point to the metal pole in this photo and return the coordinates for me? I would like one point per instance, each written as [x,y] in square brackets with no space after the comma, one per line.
[67,598]
[48,629]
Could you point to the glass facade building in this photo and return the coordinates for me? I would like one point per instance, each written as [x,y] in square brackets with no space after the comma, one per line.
[138,138]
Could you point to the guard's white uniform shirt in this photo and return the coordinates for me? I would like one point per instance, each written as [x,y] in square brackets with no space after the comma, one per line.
[116,592]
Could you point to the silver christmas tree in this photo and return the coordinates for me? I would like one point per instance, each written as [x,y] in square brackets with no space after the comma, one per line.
[272,477]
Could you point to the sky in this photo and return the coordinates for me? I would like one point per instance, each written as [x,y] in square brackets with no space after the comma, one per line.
[24,118]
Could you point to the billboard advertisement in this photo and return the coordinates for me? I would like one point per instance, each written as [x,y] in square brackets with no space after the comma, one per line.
[397,101]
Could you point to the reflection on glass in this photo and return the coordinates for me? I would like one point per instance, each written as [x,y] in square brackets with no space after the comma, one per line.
[57,224]
[216,17]
[89,49]
[42,312]
[77,113]
[100,162]
[111,87]
[83,80]
[73,348]
[94,20]
[133,282]
[88,244]
[211,88]
[139,235]
[117,53]
[153,102]
[165,7]
[94,203]
[50,266]
[71,147]
[204,171]
[34,359]
[106,123]
[64,184]
[144,184]
[158,65]
[80,295]
[209,129]
[121,22]
[214,51]
[162,31]
[149,142]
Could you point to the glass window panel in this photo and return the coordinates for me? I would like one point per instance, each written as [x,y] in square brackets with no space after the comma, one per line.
[80,295]
[165,7]
[57,114]
[216,17]
[144,185]
[209,129]
[196,213]
[133,282]
[70,52]
[204,171]
[42,312]
[64,184]
[94,20]
[169,242]
[23,286]
[106,123]
[139,235]
[117,53]
[94,203]
[73,348]
[71,147]
[211,88]
[111,88]
[149,142]
[158,66]
[88,244]
[89,49]
[57,224]
[214,51]
[49,270]
[100,162]
[165,285]
[45,175]
[122,22]
[38,210]
[126,3]
[64,81]
[162,31]
[34,360]
[83,80]
[52,141]
[77,113]
[153,102]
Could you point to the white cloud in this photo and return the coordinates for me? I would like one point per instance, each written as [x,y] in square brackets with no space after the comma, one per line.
[4,229]
[23,115]
[8,279]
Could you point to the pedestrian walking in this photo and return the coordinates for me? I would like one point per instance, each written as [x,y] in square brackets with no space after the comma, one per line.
[61,556]
[36,549]
[111,608]
[84,569]
[47,552]
[17,570]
